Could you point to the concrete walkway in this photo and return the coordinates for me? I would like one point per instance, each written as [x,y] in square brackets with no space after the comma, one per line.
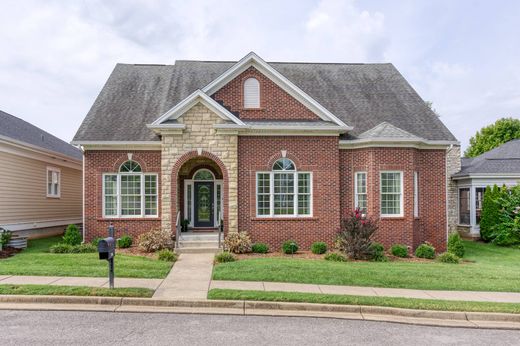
[497,297]
[78,281]
[189,278]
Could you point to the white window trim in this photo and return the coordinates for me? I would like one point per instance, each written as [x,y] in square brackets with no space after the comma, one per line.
[469,188]
[356,198]
[216,182]
[295,202]
[401,214]
[51,170]
[416,194]
[119,214]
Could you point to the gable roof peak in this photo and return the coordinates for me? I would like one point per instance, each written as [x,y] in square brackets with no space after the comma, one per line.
[387,130]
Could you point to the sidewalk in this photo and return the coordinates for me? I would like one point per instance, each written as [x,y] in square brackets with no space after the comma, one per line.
[496,297]
[78,281]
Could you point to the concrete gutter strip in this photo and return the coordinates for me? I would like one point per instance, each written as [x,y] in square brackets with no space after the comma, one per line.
[254,308]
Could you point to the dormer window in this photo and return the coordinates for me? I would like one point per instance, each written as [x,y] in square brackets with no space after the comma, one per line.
[251,93]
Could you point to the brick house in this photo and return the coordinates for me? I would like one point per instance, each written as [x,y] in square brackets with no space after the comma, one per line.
[281,150]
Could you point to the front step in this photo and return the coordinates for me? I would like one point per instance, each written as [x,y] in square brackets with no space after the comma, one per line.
[198,243]
[197,250]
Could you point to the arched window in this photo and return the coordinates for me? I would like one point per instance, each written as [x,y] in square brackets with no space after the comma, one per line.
[251,93]
[203,175]
[130,192]
[130,167]
[284,191]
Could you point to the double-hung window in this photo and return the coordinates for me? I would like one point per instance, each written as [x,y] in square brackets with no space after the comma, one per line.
[130,192]
[283,191]
[360,189]
[391,194]
[53,182]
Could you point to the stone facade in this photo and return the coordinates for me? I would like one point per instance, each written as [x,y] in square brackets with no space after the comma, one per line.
[199,139]
[453,165]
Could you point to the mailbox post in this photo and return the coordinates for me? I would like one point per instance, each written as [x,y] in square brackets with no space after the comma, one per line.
[107,251]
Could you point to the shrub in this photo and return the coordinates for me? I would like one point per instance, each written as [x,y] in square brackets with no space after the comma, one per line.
[334,256]
[74,249]
[5,237]
[155,240]
[166,255]
[399,250]
[455,245]
[224,257]
[354,237]
[448,257]
[238,242]
[319,248]
[260,248]
[124,242]
[60,248]
[72,235]
[425,250]
[95,241]
[290,247]
[507,231]
[378,252]
[490,215]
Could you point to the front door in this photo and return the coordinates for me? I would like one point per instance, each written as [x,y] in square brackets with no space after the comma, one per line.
[203,208]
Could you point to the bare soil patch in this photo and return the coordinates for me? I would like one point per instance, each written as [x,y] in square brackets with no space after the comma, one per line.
[7,252]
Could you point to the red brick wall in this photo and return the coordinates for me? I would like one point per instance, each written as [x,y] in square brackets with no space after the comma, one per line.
[275,103]
[99,162]
[430,165]
[319,155]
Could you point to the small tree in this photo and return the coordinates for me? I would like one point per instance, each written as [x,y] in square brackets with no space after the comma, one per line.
[490,213]
[354,237]
[72,235]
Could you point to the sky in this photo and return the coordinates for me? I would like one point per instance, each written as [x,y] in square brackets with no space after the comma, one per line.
[462,55]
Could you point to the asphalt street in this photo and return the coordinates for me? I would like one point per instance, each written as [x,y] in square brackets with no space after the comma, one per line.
[98,328]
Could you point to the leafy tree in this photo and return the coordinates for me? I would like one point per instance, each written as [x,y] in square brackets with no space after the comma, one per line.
[492,136]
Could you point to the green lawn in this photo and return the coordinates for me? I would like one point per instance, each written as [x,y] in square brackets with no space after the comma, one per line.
[75,291]
[424,304]
[36,260]
[492,268]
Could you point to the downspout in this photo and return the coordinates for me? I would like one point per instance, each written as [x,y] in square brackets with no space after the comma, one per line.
[446,192]
[83,192]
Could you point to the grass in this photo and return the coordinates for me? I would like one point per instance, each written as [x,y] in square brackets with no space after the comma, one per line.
[406,303]
[36,260]
[75,291]
[492,268]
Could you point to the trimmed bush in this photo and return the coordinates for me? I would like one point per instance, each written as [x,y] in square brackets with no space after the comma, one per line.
[354,237]
[260,248]
[238,242]
[455,245]
[225,257]
[378,252]
[5,237]
[399,250]
[124,242]
[448,257]
[166,255]
[73,249]
[319,248]
[425,251]
[72,235]
[490,214]
[335,257]
[155,240]
[290,247]
[507,231]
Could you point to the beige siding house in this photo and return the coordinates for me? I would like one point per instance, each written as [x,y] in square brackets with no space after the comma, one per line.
[40,180]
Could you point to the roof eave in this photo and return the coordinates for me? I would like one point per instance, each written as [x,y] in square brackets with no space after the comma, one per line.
[41,150]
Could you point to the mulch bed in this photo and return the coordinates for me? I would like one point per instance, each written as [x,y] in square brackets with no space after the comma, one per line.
[310,255]
[136,251]
[8,252]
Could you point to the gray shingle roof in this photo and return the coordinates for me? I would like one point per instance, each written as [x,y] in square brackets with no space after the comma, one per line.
[387,131]
[20,130]
[362,95]
[502,160]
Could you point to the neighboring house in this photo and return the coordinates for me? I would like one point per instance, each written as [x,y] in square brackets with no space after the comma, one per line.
[281,150]
[500,166]
[40,180]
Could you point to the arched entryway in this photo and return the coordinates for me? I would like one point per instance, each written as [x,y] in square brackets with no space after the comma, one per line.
[201,193]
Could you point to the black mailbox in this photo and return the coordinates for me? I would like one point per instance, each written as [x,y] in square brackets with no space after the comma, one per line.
[106,248]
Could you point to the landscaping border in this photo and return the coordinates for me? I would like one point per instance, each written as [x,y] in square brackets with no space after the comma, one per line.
[254,308]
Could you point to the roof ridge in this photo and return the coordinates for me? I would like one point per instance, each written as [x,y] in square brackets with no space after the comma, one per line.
[289,62]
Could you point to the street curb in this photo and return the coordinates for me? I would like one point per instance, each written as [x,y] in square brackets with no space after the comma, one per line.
[260,308]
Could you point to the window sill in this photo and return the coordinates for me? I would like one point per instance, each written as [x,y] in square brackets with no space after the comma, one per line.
[285,218]
[392,217]
[465,226]
[252,109]
[129,219]
[53,197]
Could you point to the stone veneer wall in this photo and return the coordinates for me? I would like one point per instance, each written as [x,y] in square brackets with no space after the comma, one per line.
[453,165]
[176,148]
